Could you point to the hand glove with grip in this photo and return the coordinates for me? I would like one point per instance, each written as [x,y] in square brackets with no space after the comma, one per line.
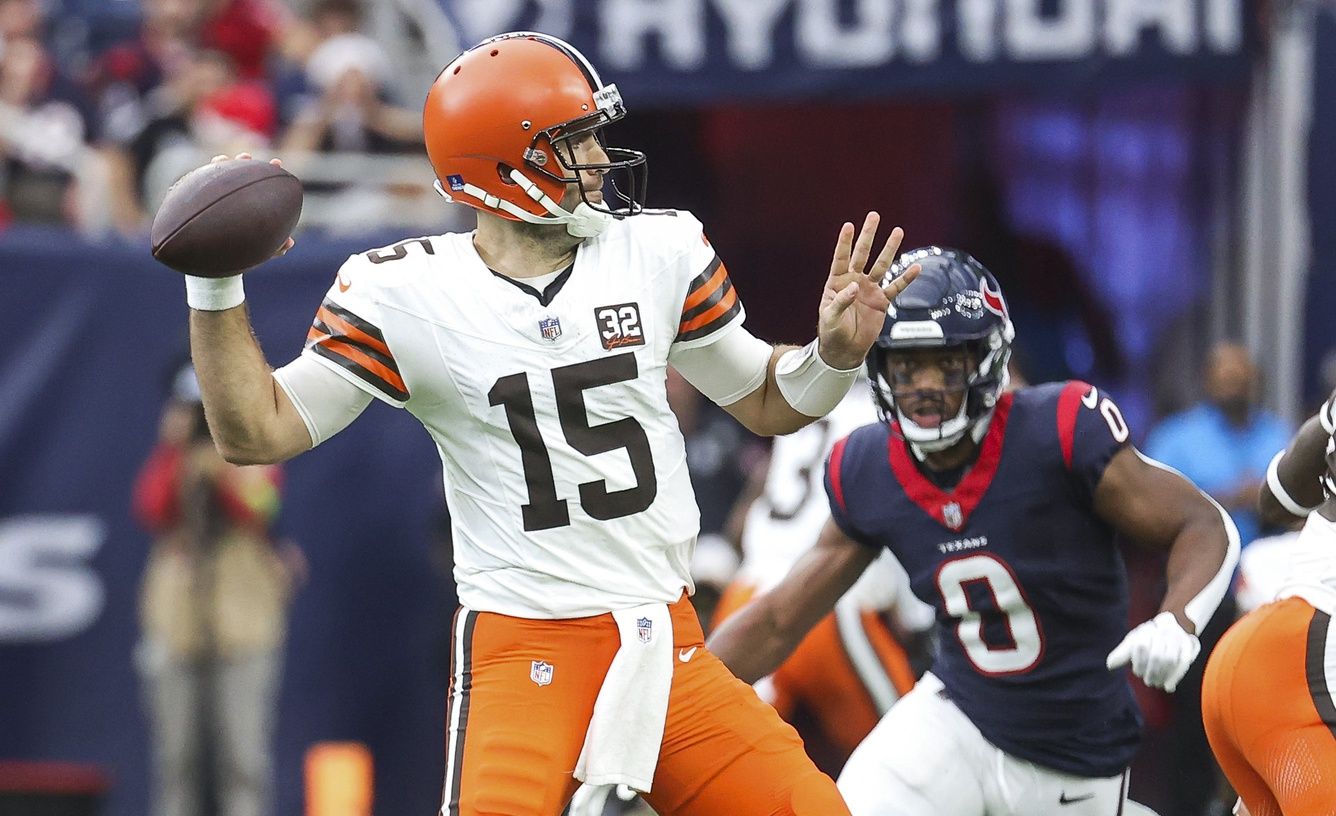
[1159,650]
[590,799]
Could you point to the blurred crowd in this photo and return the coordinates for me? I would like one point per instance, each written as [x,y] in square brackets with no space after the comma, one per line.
[98,116]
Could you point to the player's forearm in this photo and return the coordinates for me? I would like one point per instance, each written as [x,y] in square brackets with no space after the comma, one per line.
[241,399]
[1292,483]
[776,415]
[791,397]
[1201,563]
[754,642]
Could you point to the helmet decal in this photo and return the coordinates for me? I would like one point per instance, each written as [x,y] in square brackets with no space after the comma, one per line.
[992,299]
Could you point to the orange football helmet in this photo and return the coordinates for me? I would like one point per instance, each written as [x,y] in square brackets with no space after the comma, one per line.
[500,123]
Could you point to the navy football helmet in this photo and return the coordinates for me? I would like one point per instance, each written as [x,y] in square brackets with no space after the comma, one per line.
[955,302]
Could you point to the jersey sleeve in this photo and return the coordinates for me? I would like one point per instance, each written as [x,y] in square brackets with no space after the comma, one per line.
[346,336]
[710,304]
[836,467]
[1091,431]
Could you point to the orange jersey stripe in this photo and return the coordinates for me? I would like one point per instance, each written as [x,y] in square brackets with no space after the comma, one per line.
[352,332]
[703,292]
[354,354]
[714,311]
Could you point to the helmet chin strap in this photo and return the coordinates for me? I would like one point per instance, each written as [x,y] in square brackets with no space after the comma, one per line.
[582,222]
[927,443]
[932,440]
[921,449]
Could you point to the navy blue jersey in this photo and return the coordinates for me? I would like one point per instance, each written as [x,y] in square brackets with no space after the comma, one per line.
[1029,587]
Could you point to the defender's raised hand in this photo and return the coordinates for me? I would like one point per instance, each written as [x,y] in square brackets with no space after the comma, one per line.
[854,303]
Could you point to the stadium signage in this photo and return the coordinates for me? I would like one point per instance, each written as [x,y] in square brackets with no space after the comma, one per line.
[48,589]
[665,50]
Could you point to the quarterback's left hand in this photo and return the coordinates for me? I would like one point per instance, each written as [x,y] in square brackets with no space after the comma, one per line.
[856,297]
[1160,652]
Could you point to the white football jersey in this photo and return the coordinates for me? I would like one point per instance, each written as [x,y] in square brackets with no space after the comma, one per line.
[565,469]
[1310,564]
[786,519]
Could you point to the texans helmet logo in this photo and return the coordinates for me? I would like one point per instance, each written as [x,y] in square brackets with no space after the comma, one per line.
[992,299]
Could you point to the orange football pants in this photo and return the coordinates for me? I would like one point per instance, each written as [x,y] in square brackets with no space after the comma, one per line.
[820,677]
[521,696]
[1269,711]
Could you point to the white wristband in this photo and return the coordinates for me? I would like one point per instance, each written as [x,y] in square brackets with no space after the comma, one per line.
[808,384]
[214,294]
[1280,493]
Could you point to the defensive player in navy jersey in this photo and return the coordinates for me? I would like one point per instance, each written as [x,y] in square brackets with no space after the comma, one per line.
[1003,507]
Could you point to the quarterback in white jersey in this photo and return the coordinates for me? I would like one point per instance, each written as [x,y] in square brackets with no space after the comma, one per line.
[569,496]
[534,351]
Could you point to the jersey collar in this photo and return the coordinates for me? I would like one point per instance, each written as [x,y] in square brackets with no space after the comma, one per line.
[952,509]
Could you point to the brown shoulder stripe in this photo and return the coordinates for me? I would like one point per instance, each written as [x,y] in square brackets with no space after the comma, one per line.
[357,346]
[705,284]
[711,302]
[373,335]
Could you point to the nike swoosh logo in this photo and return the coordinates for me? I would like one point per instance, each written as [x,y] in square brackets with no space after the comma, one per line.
[1089,401]
[343,287]
[685,654]
[1064,800]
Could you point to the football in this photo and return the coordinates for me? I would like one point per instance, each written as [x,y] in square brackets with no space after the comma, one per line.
[226,217]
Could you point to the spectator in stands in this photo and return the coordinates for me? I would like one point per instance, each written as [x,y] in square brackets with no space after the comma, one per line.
[1224,443]
[201,108]
[144,89]
[19,19]
[347,109]
[249,32]
[42,132]
[193,82]
[214,609]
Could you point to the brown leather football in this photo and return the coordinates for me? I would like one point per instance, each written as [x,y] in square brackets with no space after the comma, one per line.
[227,217]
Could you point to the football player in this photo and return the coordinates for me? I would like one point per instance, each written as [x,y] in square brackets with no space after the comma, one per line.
[1269,692]
[852,667]
[533,350]
[1003,508]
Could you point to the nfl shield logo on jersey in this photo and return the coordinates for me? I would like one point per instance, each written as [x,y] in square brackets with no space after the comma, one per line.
[550,327]
[645,627]
[540,671]
[952,516]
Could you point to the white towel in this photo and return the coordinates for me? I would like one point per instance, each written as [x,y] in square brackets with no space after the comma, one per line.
[626,730]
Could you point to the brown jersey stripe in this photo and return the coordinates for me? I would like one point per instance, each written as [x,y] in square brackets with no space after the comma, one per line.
[1322,694]
[715,319]
[461,688]
[360,355]
[705,284]
[320,332]
[344,322]
[364,325]
[709,303]
[362,365]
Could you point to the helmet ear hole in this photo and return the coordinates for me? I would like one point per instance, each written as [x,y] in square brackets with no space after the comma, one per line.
[503,172]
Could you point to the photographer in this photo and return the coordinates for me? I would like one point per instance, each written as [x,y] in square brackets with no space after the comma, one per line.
[213,607]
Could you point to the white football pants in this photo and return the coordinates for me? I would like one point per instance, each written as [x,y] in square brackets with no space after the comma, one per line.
[925,758]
